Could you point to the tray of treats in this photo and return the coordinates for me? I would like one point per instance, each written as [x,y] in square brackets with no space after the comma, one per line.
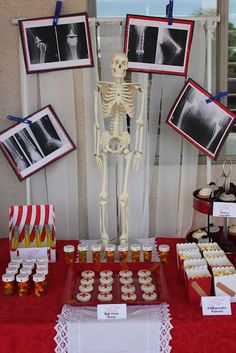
[99,283]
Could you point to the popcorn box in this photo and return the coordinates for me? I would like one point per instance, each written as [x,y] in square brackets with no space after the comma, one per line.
[184,255]
[225,282]
[208,246]
[191,263]
[184,247]
[218,261]
[32,231]
[199,282]
[207,254]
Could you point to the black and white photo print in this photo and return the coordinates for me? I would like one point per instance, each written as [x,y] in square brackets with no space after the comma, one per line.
[30,148]
[154,46]
[47,47]
[206,125]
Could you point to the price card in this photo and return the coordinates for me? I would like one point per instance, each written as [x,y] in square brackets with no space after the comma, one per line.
[216,305]
[224,209]
[111,311]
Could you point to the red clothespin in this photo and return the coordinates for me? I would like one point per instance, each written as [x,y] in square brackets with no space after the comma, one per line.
[57,12]
[169,11]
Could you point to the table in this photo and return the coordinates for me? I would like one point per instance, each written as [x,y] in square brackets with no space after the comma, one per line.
[27,324]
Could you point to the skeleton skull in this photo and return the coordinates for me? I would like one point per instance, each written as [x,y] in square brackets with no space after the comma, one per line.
[119,65]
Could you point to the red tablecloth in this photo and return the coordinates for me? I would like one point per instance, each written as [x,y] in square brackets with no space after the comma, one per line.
[27,324]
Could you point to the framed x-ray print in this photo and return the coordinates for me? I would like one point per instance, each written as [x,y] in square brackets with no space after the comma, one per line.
[152,45]
[64,46]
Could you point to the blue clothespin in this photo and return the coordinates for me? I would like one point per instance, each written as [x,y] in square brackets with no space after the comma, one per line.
[217,96]
[57,12]
[19,120]
[169,12]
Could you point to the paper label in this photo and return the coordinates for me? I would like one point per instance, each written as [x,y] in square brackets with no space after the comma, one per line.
[224,209]
[27,253]
[111,311]
[216,305]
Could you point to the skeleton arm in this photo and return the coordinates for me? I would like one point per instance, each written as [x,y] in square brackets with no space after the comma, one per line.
[96,132]
[139,134]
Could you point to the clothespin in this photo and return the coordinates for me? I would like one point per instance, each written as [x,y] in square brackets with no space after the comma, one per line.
[217,96]
[169,12]
[57,12]
[19,120]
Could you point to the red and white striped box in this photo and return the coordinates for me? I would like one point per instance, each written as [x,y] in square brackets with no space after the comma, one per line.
[32,231]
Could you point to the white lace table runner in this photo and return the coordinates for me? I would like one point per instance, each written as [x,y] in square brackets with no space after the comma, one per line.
[146,330]
[145,241]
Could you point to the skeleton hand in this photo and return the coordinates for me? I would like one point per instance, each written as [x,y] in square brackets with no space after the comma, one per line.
[137,160]
[99,163]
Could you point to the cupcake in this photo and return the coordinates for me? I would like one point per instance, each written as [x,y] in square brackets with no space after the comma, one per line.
[205,193]
[126,297]
[227,197]
[149,296]
[199,235]
[83,297]
[105,297]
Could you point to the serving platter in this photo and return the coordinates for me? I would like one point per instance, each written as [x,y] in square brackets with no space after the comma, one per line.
[71,288]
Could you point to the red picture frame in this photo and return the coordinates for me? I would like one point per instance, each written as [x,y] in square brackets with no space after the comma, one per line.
[152,45]
[64,46]
[31,147]
[205,124]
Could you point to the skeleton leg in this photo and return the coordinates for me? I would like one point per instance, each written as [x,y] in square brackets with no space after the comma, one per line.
[103,200]
[123,200]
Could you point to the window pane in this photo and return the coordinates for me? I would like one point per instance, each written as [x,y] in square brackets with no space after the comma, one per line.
[232,102]
[119,8]
[232,71]
[232,38]
[232,54]
[232,86]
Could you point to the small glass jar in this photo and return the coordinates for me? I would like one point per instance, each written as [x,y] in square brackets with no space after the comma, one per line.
[147,253]
[110,250]
[96,252]
[22,284]
[27,271]
[164,253]
[39,284]
[45,273]
[123,252]
[12,271]
[8,284]
[82,252]
[69,251]
[16,260]
[42,267]
[29,265]
[42,260]
[135,252]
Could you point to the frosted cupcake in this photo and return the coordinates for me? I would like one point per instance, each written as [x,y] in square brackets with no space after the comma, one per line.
[205,193]
[83,297]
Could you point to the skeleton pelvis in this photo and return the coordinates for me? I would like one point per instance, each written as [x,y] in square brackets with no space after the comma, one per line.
[114,144]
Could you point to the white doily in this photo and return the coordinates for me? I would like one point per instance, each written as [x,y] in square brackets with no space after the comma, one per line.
[146,241]
[146,330]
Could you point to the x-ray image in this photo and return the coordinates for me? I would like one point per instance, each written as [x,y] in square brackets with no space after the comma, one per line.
[30,148]
[204,124]
[72,41]
[47,47]
[171,46]
[154,46]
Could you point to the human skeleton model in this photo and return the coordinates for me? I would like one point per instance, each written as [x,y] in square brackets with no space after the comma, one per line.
[117,102]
